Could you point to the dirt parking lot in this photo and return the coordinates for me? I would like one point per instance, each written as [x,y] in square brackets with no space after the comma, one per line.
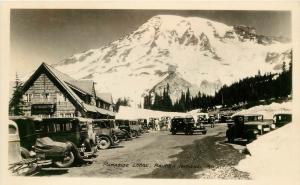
[159,154]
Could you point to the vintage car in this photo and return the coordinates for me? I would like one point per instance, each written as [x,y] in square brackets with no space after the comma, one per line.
[135,127]
[281,119]
[144,125]
[105,133]
[17,164]
[202,118]
[74,133]
[32,145]
[186,125]
[124,126]
[27,133]
[247,126]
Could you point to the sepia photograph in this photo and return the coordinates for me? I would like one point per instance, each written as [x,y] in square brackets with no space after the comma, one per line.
[151,93]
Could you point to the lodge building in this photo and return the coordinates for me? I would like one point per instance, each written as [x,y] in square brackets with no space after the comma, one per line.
[51,93]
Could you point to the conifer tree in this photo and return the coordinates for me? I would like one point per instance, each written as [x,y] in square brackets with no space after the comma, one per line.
[16,102]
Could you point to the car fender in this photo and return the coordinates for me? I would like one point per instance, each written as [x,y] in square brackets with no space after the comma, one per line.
[105,135]
[75,150]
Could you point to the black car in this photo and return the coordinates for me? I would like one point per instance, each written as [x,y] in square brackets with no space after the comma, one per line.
[281,119]
[125,126]
[38,140]
[247,126]
[186,125]
[74,133]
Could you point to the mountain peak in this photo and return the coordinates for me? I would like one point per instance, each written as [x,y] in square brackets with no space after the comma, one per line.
[187,52]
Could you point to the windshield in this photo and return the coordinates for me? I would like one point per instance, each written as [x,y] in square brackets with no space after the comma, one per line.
[253,118]
[190,120]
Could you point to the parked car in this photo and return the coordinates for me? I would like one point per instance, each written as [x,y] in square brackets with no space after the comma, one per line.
[186,125]
[27,133]
[105,134]
[225,119]
[17,164]
[247,126]
[202,118]
[33,145]
[281,119]
[120,133]
[71,137]
[135,127]
[144,124]
[124,126]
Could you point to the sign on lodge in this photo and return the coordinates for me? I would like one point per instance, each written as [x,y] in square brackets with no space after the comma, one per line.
[51,93]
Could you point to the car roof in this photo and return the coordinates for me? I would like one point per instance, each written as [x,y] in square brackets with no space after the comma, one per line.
[24,118]
[283,114]
[68,118]
[248,115]
[177,117]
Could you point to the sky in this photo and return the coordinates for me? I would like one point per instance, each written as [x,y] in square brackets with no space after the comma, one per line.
[50,35]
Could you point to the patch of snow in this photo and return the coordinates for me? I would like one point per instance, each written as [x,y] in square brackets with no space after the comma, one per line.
[136,113]
[274,155]
[269,110]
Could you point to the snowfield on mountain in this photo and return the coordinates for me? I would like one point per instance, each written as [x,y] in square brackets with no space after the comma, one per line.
[202,52]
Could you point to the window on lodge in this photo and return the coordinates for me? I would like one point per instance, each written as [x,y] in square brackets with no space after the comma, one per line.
[27,97]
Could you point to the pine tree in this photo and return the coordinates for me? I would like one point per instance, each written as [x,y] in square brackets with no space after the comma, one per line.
[188,100]
[123,102]
[16,102]
[283,66]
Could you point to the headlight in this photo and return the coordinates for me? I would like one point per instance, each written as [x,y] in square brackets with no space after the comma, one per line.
[32,154]
[273,126]
[259,127]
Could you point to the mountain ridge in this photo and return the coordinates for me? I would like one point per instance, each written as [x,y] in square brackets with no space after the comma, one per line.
[205,53]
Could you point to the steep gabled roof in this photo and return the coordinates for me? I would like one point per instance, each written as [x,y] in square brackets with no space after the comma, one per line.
[106,97]
[59,78]
[82,85]
[68,83]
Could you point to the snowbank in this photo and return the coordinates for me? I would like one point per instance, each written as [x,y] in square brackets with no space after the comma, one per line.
[269,110]
[274,155]
[135,113]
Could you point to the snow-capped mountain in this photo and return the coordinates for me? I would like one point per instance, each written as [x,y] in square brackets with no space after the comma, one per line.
[204,54]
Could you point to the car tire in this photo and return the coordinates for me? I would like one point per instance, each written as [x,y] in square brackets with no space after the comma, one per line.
[24,153]
[134,134]
[68,163]
[251,137]
[204,132]
[173,133]
[103,142]
[230,139]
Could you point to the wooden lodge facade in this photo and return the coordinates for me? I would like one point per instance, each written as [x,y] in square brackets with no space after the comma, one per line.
[51,93]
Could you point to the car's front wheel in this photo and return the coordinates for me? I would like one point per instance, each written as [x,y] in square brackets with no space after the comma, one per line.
[134,134]
[103,142]
[67,160]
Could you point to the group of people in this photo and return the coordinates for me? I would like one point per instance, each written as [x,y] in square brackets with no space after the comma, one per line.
[163,124]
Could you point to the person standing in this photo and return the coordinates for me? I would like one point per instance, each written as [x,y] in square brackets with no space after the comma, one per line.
[156,124]
[169,123]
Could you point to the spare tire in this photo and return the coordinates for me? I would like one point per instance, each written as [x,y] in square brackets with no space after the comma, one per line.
[67,161]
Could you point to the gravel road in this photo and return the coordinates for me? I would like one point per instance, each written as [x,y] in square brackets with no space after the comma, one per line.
[162,155]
